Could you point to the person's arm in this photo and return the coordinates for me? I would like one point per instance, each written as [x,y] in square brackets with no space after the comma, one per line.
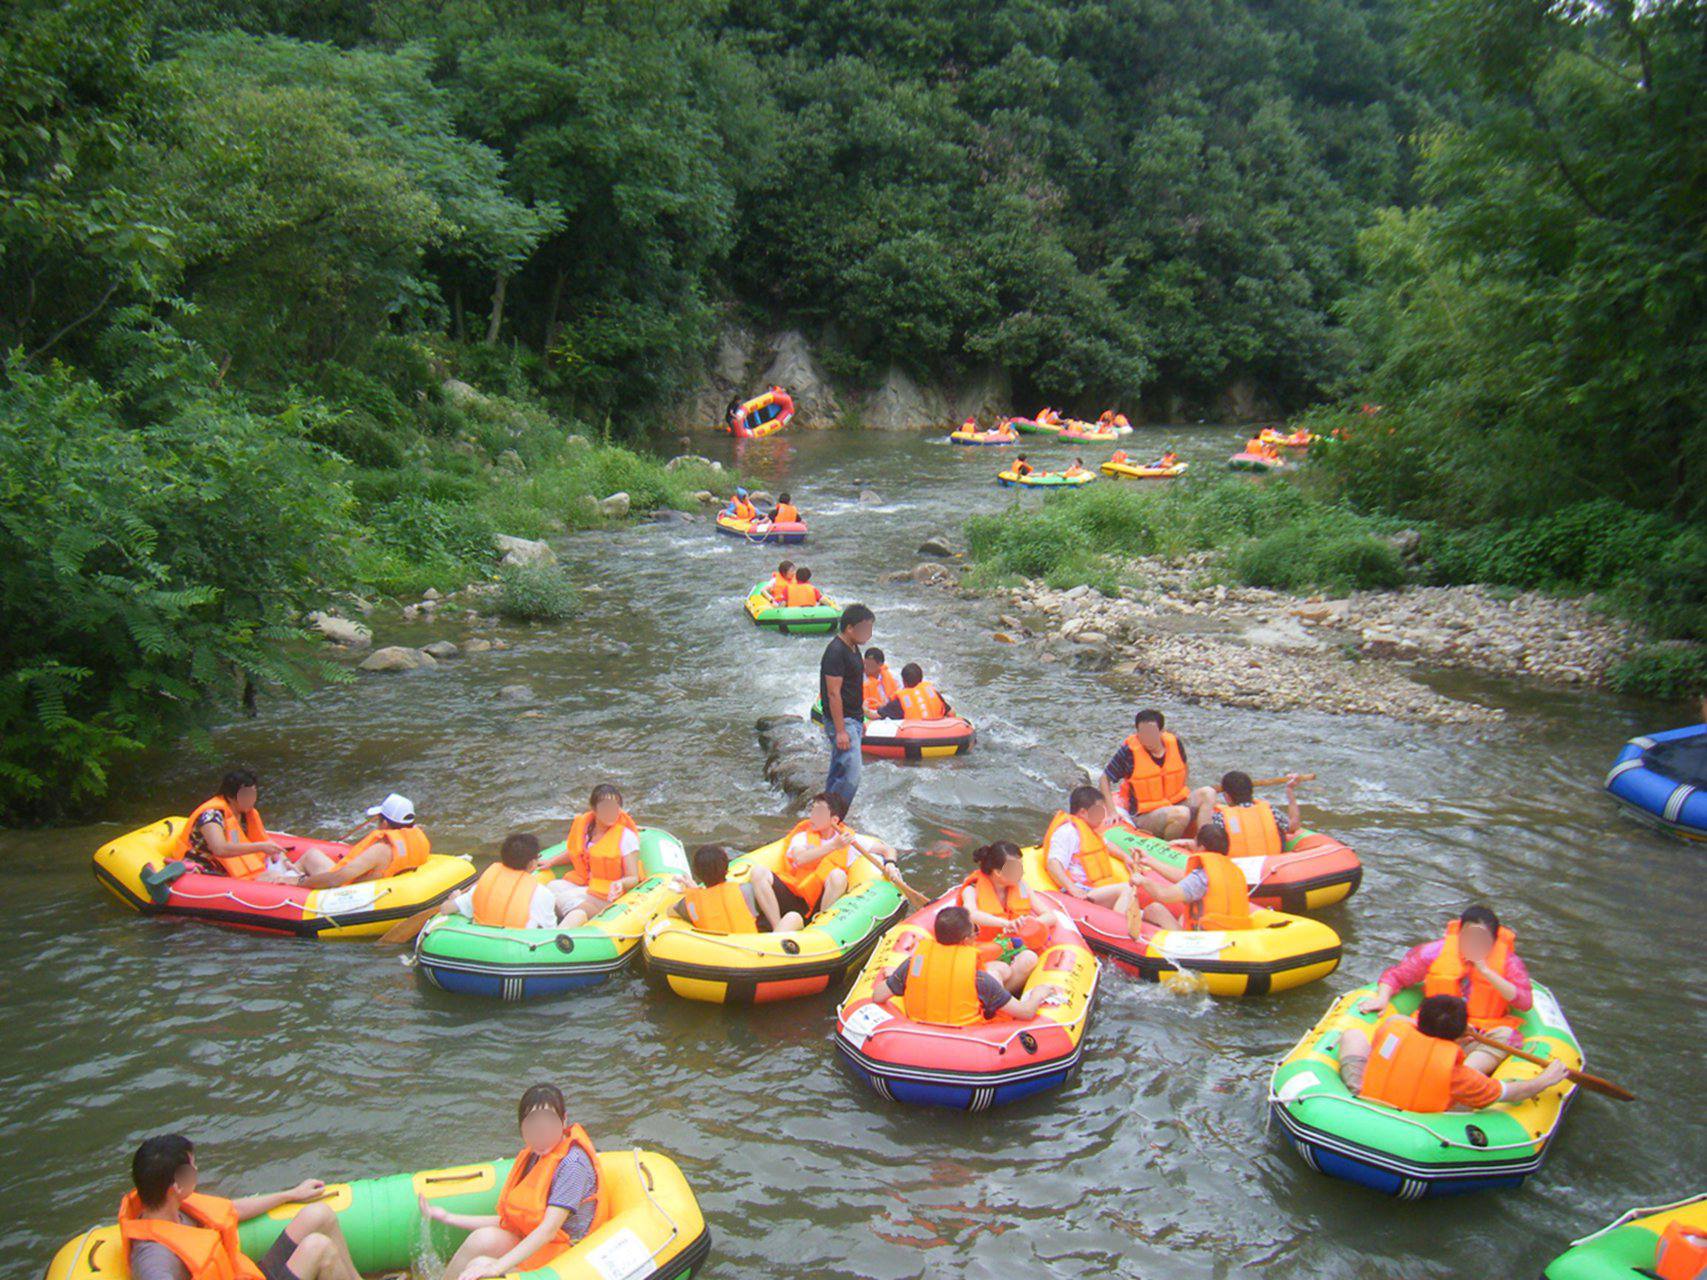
[802,855]
[890,985]
[1059,857]
[1521,1090]
[254,1206]
[892,710]
[1507,989]
[222,846]
[1025,1007]
[833,702]
[530,1244]
[369,859]
[1407,973]
[1173,875]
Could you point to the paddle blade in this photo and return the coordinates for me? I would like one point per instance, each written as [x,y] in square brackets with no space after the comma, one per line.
[406,930]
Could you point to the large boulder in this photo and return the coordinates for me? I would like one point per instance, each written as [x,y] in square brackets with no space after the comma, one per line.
[690,460]
[616,506]
[1243,401]
[898,403]
[352,635]
[439,650]
[732,358]
[398,657]
[937,545]
[794,369]
[985,394]
[459,395]
[523,550]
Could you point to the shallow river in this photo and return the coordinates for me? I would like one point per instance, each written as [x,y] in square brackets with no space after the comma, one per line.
[291,1059]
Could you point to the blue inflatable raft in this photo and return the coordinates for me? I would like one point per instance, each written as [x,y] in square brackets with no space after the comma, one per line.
[1661,779]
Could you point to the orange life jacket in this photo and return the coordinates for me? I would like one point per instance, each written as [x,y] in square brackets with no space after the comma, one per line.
[1022,468]
[241,865]
[786,513]
[744,510]
[1407,1069]
[942,984]
[803,595]
[778,589]
[808,883]
[1445,977]
[880,688]
[1681,1253]
[1101,864]
[1119,455]
[1251,830]
[1226,904]
[522,1204]
[600,866]
[1153,785]
[503,897]
[1120,420]
[209,1251]
[720,908]
[922,702]
[1008,903]
[409,849]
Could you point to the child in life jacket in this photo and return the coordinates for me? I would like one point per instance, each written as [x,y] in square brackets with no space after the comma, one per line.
[917,699]
[1076,469]
[1010,922]
[1253,828]
[740,508]
[785,512]
[944,980]
[1021,467]
[1420,1066]
[714,905]
[172,1231]
[1077,858]
[780,582]
[801,593]
[880,683]
[508,894]
[1185,887]
[602,852]
[554,1197]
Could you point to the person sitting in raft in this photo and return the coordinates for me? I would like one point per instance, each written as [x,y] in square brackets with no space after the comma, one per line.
[1421,1066]
[785,512]
[1077,857]
[1168,459]
[171,1231]
[396,846]
[1120,420]
[1149,770]
[1076,469]
[801,593]
[1048,417]
[1254,829]
[816,856]
[740,508]
[946,981]
[880,682]
[780,580]
[970,426]
[553,1199]
[1009,923]
[603,856]
[1476,960]
[1105,418]
[1118,456]
[1021,467]
[917,699]
[713,905]
[508,895]
[225,835]
[1208,892]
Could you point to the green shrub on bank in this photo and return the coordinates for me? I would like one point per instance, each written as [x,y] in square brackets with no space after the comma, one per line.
[1315,556]
[536,593]
[1674,672]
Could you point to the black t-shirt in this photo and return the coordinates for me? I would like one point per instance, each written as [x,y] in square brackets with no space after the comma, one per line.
[843,659]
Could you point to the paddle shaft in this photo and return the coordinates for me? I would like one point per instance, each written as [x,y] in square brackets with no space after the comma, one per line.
[1592,1083]
[1281,782]
[911,894]
[405,930]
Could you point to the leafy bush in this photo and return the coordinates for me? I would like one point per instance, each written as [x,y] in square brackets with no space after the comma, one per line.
[1315,555]
[536,593]
[1674,672]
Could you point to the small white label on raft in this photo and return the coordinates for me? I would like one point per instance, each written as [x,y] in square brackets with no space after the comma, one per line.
[622,1257]
[1296,1085]
[858,1025]
[1548,1010]
[882,728]
[672,857]
[347,898]
[1252,868]
[1186,945]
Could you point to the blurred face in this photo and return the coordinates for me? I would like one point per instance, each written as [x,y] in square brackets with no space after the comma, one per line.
[185,1181]
[1009,872]
[871,667]
[244,800]
[821,818]
[862,633]
[1474,942]
[608,811]
[1150,736]
[542,1129]
[1096,815]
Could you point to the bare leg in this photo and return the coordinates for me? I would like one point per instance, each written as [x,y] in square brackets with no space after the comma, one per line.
[1117,896]
[318,1220]
[1019,969]
[765,895]
[590,906]
[313,862]
[1202,804]
[790,922]
[1354,1057]
[1160,917]
[482,1242]
[1485,1058]
[1167,823]
[835,884]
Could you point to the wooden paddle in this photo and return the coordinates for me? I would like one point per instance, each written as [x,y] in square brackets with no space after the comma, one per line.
[911,894]
[1281,782]
[1593,1083]
[406,930]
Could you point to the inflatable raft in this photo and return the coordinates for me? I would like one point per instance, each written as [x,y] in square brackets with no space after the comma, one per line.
[963,436]
[455,954]
[1090,433]
[762,530]
[1312,870]
[1299,439]
[763,415]
[655,1230]
[1628,1249]
[1661,779]
[1246,461]
[135,868]
[911,739]
[1044,480]
[970,1068]
[757,968]
[1032,427]
[811,620]
[1127,471]
[1278,952]
[1413,1154]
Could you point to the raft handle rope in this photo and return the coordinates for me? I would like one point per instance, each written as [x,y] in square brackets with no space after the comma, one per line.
[646,1185]
[1394,1114]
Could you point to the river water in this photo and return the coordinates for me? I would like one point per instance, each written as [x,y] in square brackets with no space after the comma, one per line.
[291,1059]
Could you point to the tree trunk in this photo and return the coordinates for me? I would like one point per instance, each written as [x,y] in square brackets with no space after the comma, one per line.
[456,316]
[500,283]
[551,311]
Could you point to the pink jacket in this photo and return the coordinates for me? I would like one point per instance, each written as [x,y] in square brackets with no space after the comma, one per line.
[1410,972]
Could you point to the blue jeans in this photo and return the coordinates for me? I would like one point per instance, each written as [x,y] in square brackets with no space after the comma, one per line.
[843,778]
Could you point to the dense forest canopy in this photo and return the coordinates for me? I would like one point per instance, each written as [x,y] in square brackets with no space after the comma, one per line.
[244,243]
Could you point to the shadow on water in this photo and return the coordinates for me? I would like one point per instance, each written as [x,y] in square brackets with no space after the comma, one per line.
[288,1059]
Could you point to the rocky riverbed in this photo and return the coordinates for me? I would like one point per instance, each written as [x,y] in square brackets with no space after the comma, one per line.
[1359,654]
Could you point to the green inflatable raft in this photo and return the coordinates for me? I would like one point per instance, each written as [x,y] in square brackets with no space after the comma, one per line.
[455,954]
[812,620]
[1629,1249]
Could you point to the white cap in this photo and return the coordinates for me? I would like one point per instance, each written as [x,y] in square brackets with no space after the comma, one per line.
[394,808]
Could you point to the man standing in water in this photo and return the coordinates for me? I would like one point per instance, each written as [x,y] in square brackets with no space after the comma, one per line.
[841,692]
